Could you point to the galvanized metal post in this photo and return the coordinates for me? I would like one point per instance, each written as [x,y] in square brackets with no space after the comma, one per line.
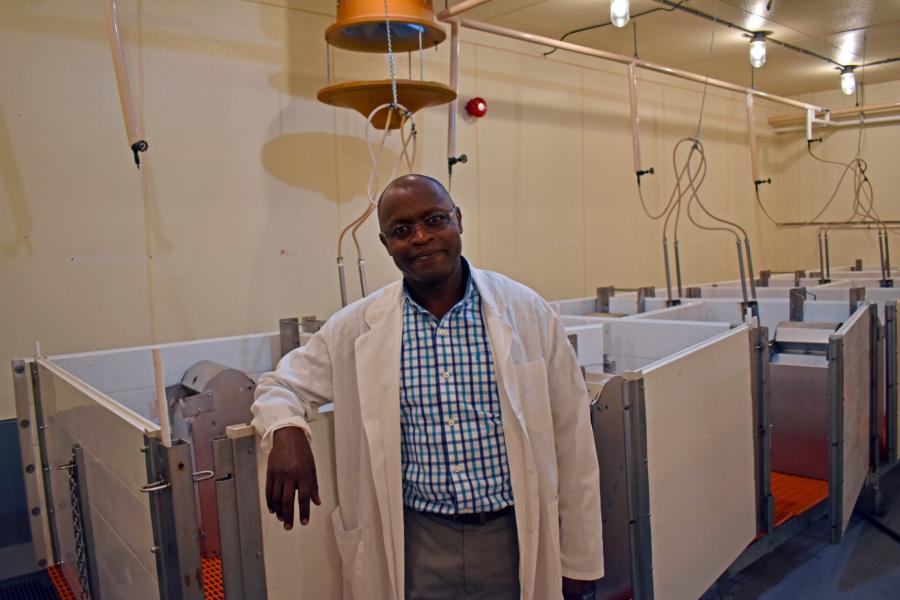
[45,468]
[796,302]
[759,351]
[890,377]
[601,304]
[875,414]
[642,294]
[835,401]
[638,490]
[31,471]
[237,489]
[173,512]
[289,333]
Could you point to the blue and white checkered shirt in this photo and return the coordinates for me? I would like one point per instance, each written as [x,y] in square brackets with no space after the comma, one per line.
[452,444]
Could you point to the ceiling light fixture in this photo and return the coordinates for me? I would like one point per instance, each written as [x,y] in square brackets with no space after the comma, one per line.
[619,12]
[848,80]
[758,49]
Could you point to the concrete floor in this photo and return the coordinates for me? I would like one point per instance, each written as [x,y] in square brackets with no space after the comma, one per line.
[864,566]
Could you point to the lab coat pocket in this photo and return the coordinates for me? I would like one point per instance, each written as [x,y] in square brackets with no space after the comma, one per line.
[351,547]
[534,395]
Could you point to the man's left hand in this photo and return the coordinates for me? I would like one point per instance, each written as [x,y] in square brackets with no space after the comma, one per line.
[575,589]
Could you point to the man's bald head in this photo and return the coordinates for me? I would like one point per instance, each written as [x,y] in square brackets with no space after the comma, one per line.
[409,186]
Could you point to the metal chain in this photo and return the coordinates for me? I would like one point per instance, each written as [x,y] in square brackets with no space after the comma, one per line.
[78,528]
[391,63]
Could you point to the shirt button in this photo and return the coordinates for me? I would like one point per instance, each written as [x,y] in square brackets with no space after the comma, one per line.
[442,331]
[457,468]
[446,374]
[451,421]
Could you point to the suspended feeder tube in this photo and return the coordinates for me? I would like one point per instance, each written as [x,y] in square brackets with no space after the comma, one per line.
[678,270]
[741,267]
[635,124]
[342,280]
[821,257]
[750,270]
[668,271]
[135,140]
[453,107]
[827,274]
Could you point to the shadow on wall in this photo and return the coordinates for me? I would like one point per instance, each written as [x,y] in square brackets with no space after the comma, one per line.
[303,160]
[14,192]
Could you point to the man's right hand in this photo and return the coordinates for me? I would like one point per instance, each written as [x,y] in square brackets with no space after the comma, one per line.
[291,468]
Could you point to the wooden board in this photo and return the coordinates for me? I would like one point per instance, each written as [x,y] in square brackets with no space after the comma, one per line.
[700,463]
[856,408]
[111,438]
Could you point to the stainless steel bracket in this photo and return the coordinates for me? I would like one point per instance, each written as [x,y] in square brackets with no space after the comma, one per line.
[237,493]
[637,479]
[173,514]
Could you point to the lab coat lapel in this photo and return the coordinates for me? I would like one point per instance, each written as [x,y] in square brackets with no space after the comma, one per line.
[501,333]
[378,376]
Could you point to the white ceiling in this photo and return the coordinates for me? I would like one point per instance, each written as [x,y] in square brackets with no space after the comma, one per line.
[847,31]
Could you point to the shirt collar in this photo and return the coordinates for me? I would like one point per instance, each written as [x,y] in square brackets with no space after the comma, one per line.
[469,296]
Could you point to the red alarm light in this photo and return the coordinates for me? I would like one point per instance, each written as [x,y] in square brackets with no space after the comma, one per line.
[476,107]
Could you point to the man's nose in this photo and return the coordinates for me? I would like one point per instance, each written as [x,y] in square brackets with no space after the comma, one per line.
[420,235]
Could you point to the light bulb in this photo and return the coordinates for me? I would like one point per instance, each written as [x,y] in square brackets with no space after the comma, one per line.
[848,81]
[619,12]
[758,51]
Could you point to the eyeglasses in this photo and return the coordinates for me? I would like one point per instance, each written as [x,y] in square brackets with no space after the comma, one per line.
[432,224]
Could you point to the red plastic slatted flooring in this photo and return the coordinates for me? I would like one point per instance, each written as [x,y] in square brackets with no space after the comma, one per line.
[62,586]
[795,495]
[214,589]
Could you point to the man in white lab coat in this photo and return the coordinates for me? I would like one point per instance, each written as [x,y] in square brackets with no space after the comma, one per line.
[465,462]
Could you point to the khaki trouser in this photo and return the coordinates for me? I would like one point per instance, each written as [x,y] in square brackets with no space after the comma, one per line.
[452,561]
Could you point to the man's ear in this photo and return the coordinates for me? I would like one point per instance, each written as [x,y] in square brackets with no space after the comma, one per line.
[459,219]
[384,242]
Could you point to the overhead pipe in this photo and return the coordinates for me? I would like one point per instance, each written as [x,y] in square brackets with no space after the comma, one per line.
[833,123]
[780,120]
[622,59]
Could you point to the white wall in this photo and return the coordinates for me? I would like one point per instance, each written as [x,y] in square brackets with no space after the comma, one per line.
[233,220]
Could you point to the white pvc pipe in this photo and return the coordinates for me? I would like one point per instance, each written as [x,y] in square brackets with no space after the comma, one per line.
[118,57]
[620,58]
[810,117]
[635,119]
[850,123]
[751,127]
[454,85]
[162,406]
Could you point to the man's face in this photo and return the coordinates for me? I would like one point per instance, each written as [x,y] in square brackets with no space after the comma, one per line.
[430,252]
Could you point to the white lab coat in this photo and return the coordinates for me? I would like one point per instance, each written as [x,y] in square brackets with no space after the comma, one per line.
[355,361]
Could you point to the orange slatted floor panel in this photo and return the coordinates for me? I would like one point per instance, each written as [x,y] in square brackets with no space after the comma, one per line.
[214,589]
[795,495]
[213,586]
[62,586]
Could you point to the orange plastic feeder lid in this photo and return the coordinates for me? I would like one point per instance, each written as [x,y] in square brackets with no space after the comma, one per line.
[361,26]
[366,96]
